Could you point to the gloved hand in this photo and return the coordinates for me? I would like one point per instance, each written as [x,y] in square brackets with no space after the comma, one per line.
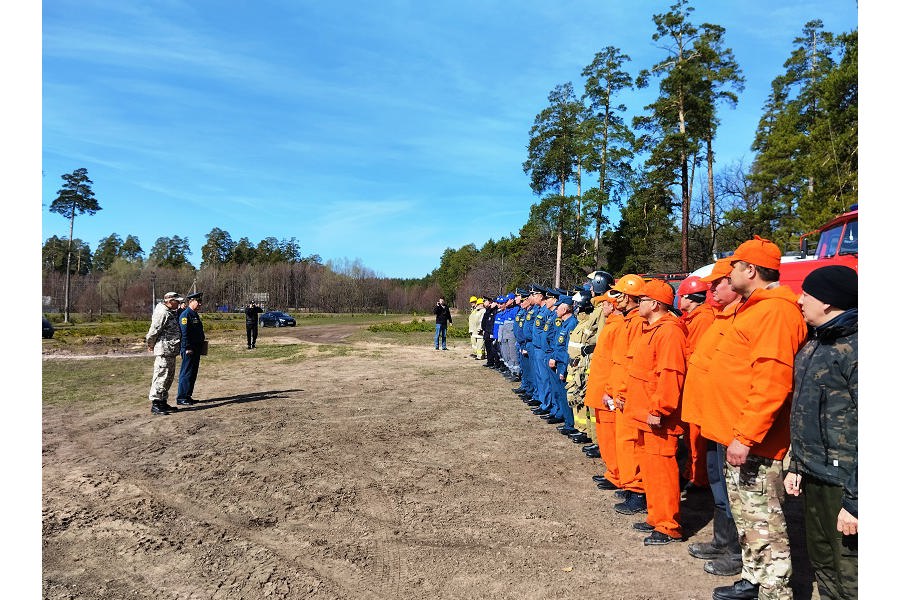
[589,349]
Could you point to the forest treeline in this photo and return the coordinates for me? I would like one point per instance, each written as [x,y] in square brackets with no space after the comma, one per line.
[655,164]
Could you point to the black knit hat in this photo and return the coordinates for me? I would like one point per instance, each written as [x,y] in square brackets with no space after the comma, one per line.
[836,285]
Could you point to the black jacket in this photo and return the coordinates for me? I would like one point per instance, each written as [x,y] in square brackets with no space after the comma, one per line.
[487,323]
[442,314]
[824,435]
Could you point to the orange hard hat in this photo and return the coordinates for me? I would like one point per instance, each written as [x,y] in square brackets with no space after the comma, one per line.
[629,284]
[658,290]
[692,285]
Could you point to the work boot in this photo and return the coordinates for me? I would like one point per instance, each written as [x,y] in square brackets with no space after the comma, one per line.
[636,503]
[157,409]
[727,565]
[741,590]
[725,539]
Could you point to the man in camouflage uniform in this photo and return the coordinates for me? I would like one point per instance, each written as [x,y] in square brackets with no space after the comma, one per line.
[824,431]
[164,340]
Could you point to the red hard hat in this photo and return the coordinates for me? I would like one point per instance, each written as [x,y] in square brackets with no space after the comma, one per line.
[692,285]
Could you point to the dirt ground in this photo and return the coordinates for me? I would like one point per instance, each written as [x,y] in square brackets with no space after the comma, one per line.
[362,469]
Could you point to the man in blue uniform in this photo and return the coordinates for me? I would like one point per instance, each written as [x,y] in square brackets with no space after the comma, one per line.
[558,362]
[191,344]
[529,387]
[543,334]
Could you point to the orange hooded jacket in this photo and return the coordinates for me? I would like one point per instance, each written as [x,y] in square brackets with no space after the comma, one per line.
[621,355]
[696,382]
[656,374]
[601,361]
[751,374]
[697,321]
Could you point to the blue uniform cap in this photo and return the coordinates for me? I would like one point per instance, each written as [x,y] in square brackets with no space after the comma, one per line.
[511,296]
[537,289]
[564,299]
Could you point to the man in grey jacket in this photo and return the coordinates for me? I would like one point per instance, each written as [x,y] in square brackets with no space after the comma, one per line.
[164,340]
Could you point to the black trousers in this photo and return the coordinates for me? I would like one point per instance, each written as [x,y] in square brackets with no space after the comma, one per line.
[493,355]
[252,332]
[833,555]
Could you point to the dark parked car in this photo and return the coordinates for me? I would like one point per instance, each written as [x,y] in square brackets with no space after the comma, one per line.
[276,318]
[48,330]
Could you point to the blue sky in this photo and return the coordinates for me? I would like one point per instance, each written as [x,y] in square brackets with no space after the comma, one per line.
[379,131]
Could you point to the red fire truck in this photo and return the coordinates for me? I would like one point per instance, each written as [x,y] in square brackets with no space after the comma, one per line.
[838,245]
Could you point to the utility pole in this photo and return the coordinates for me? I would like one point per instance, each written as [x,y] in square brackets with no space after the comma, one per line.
[152,290]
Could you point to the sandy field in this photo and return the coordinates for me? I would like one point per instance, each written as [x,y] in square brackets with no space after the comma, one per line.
[352,466]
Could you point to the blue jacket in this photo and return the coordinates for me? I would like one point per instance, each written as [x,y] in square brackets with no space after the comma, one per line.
[559,344]
[191,330]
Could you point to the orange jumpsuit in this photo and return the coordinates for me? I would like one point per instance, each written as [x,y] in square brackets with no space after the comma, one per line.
[626,432]
[751,374]
[697,322]
[655,380]
[601,364]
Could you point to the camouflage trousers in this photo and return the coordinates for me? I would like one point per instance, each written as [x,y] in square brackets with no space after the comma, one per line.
[756,494]
[163,375]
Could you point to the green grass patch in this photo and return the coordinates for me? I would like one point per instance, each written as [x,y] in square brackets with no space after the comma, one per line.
[417,325]
[98,380]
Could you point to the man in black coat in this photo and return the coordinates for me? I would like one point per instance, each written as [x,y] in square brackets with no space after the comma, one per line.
[252,313]
[441,319]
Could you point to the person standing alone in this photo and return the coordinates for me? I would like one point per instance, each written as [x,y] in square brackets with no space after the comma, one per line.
[252,313]
[442,319]
[164,340]
[192,338]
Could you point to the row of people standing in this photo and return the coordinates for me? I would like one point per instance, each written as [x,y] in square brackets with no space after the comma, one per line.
[637,377]
[175,328]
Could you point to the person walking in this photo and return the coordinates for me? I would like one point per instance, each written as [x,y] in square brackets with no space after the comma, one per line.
[252,313]
[442,319]
[751,374]
[824,429]
[192,339]
[164,341]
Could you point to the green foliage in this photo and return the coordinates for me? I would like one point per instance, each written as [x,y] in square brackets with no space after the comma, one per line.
[171,252]
[54,253]
[76,196]
[417,325]
[805,169]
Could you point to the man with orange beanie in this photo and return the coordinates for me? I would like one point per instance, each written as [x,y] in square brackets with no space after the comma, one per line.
[632,484]
[723,553]
[652,402]
[697,316]
[751,373]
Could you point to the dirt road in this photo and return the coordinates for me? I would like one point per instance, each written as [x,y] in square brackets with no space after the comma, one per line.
[359,470]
